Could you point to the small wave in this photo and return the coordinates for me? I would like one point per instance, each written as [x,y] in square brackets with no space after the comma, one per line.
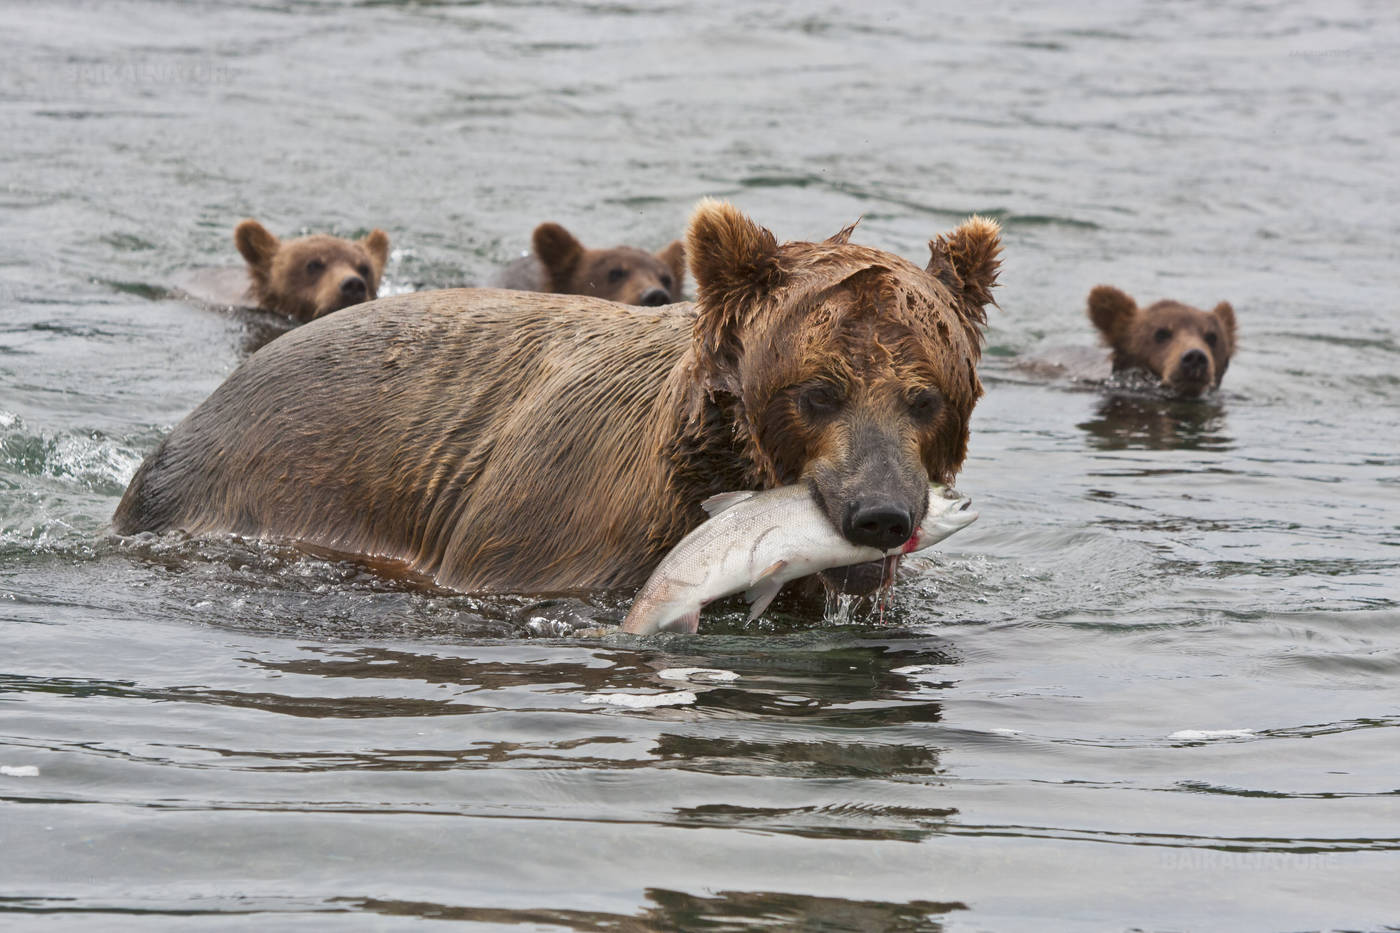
[90,460]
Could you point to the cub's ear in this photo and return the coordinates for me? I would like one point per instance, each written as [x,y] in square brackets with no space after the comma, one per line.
[1111,311]
[376,243]
[255,243]
[1226,315]
[734,260]
[673,258]
[967,261]
[559,251]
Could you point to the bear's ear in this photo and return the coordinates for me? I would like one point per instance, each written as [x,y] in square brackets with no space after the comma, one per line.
[255,243]
[376,243]
[734,260]
[559,251]
[673,258]
[1111,311]
[1226,316]
[730,255]
[967,261]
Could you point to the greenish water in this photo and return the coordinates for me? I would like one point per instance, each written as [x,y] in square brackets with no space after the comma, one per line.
[1155,687]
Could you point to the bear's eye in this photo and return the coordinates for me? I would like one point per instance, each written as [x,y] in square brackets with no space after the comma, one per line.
[1212,339]
[315,266]
[1163,334]
[363,269]
[617,275]
[925,405]
[820,401]
[666,282]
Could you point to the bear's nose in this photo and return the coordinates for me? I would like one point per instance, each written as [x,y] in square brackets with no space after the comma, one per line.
[655,296]
[881,525]
[1194,364]
[352,286]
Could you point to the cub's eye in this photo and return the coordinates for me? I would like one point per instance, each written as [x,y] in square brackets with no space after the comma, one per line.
[1212,339]
[820,401]
[666,282]
[315,266]
[363,269]
[1163,335]
[925,404]
[617,275]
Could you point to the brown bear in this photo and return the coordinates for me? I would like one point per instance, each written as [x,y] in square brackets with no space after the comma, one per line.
[561,264]
[503,441]
[310,276]
[1187,349]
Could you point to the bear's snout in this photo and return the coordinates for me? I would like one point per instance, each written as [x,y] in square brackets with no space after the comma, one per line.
[653,297]
[879,523]
[1192,373]
[353,289]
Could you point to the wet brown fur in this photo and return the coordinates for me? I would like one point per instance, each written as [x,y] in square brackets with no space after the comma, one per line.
[499,440]
[1158,338]
[310,276]
[563,265]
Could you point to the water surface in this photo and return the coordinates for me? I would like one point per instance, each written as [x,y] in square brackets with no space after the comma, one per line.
[1154,687]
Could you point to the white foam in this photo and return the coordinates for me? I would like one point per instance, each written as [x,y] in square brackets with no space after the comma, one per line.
[19,771]
[704,675]
[915,669]
[642,700]
[1195,735]
[1005,731]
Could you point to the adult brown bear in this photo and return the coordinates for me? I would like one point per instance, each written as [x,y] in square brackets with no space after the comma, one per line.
[508,441]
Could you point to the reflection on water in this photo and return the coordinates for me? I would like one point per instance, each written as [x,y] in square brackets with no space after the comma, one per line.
[1133,421]
[737,911]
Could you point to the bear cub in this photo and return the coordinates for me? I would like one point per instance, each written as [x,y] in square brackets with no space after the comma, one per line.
[1187,349]
[310,276]
[561,264]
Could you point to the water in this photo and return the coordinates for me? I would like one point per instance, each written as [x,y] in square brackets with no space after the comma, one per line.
[1156,687]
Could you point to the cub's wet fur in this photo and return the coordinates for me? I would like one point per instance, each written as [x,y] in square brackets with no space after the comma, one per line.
[1185,348]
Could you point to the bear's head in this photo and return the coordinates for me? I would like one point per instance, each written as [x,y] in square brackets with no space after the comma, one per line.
[623,273]
[312,275]
[1186,348]
[842,366]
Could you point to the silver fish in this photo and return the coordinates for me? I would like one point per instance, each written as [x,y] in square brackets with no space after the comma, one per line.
[756,542]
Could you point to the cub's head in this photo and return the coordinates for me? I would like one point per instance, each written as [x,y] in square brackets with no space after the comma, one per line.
[623,273]
[846,367]
[1186,348]
[311,275]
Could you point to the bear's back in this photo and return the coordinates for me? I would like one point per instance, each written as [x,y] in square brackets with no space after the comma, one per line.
[366,431]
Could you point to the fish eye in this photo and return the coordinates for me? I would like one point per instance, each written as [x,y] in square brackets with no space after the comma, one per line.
[1212,339]
[926,404]
[617,274]
[315,266]
[820,401]
[1163,334]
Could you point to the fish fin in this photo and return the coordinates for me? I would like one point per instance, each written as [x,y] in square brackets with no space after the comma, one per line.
[770,570]
[761,594]
[687,624]
[725,500]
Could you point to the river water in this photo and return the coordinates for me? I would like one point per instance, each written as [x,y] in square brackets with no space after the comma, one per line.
[1156,686]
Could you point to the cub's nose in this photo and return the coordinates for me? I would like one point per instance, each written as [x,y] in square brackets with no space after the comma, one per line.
[352,287]
[655,296]
[1195,364]
[881,524]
